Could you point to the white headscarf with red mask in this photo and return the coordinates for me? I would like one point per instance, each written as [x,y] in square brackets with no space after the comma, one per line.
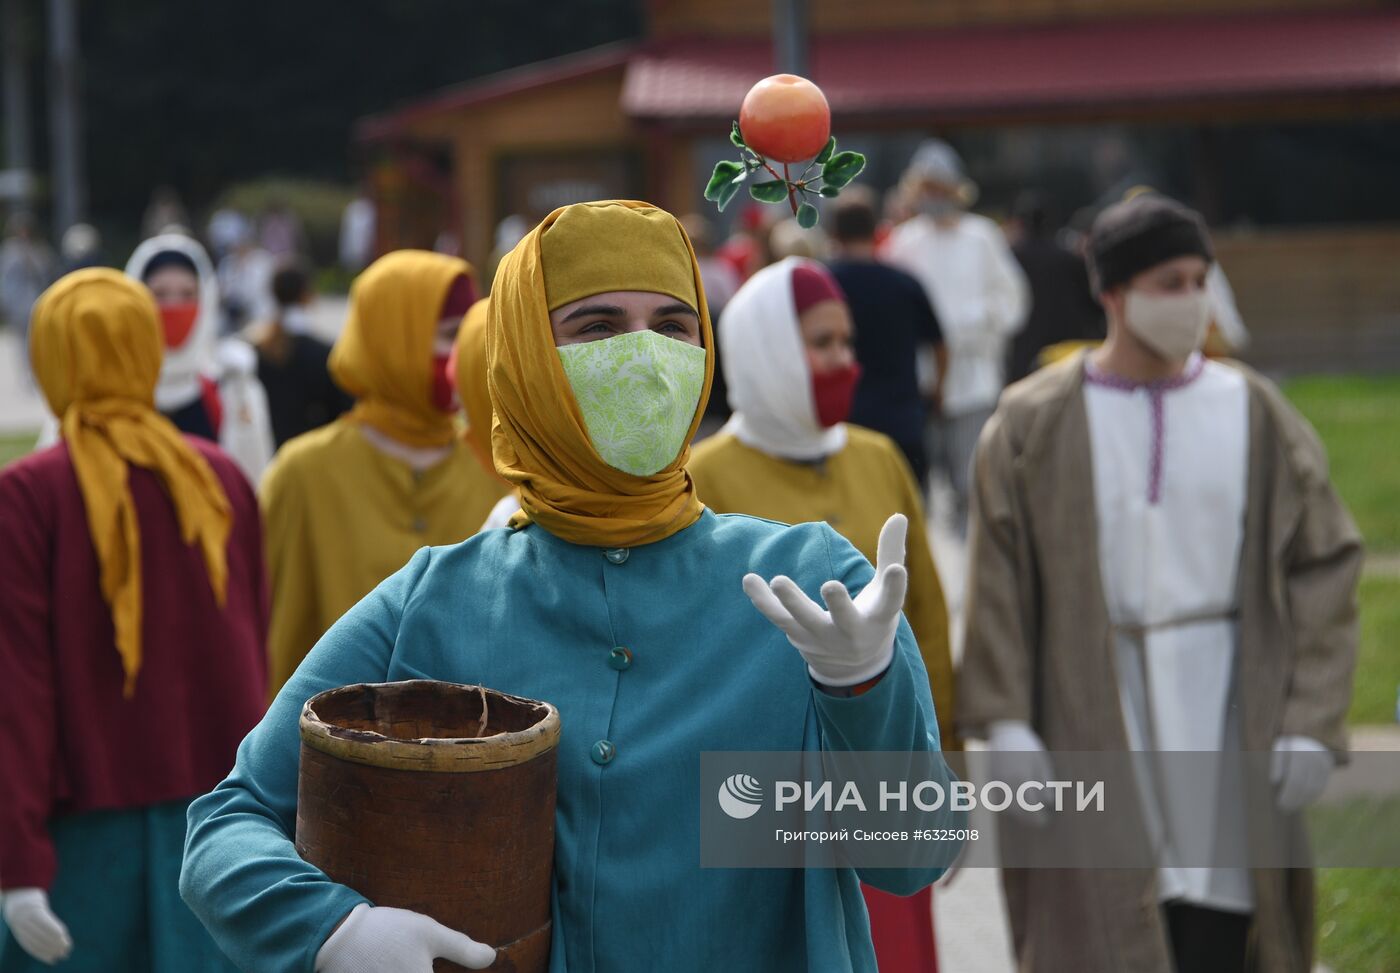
[766,370]
[181,367]
[246,430]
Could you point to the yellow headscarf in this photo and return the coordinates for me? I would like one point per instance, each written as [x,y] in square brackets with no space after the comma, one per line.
[539,439]
[384,356]
[471,381]
[95,344]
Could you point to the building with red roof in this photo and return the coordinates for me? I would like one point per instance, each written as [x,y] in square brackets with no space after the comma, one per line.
[1274,117]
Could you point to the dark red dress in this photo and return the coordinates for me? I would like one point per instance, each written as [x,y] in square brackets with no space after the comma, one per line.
[69,740]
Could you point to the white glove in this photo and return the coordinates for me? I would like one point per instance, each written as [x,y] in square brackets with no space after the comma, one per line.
[1016,756]
[38,931]
[1299,769]
[854,640]
[376,940]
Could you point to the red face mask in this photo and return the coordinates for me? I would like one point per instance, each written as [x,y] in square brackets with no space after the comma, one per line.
[833,392]
[177,321]
[451,369]
[443,391]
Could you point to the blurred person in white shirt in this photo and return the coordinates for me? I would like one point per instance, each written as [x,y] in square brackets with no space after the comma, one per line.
[978,291]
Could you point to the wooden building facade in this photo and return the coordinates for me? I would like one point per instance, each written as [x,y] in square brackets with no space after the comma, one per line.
[1275,117]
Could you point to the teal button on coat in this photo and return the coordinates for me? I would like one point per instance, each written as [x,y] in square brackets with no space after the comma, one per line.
[526,613]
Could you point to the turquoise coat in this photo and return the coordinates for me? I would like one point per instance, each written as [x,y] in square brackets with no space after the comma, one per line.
[526,613]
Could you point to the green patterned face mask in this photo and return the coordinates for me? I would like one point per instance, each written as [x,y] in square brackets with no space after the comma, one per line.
[638,393]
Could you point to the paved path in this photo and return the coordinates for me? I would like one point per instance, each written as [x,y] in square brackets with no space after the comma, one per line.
[1385,564]
[22,409]
[969,913]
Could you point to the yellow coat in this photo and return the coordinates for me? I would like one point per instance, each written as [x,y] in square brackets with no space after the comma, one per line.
[341,516]
[854,491]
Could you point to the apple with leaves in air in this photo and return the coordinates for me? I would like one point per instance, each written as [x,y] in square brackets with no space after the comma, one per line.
[785,120]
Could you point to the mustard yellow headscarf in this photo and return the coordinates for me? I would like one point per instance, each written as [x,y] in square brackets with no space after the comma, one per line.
[384,356]
[539,439]
[471,381]
[95,343]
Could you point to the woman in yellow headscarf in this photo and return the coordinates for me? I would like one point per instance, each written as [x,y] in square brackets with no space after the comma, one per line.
[132,619]
[349,503]
[645,618]
[468,368]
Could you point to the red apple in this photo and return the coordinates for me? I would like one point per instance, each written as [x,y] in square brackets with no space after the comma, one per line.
[785,118]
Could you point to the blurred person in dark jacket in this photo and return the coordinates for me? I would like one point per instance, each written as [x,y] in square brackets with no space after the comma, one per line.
[292,362]
[1062,305]
[893,320]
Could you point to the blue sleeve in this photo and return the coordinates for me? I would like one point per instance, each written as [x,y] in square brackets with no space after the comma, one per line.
[895,715]
[265,907]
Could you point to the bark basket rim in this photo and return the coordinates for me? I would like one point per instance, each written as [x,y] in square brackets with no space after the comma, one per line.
[432,754]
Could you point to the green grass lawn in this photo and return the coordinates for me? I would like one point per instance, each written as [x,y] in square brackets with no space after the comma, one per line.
[14,446]
[1378,666]
[1358,417]
[1358,926]
[1356,919]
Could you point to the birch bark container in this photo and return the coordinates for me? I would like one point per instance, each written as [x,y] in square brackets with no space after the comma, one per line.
[439,798]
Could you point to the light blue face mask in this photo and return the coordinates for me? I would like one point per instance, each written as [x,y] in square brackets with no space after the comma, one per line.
[638,393]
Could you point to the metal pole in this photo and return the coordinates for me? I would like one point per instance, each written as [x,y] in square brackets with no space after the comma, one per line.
[65,116]
[19,155]
[790,36]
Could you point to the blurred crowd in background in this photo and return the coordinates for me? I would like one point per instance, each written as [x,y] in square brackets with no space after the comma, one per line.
[992,300]
[961,258]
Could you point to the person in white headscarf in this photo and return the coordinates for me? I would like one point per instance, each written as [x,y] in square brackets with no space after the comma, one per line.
[208,387]
[978,290]
[787,454]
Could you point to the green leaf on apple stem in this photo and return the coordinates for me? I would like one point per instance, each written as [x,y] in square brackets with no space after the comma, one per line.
[807,216]
[842,167]
[724,172]
[737,137]
[825,153]
[772,191]
[724,182]
[830,192]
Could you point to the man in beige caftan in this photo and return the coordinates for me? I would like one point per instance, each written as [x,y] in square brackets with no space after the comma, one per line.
[1159,562]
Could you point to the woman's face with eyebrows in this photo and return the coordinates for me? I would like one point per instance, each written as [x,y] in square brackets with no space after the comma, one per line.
[619,312]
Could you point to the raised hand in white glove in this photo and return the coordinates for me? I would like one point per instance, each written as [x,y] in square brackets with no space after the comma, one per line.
[1016,755]
[1299,769]
[375,940]
[853,641]
[38,931]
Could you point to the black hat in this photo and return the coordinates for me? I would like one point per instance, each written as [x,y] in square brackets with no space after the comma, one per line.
[1129,237]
